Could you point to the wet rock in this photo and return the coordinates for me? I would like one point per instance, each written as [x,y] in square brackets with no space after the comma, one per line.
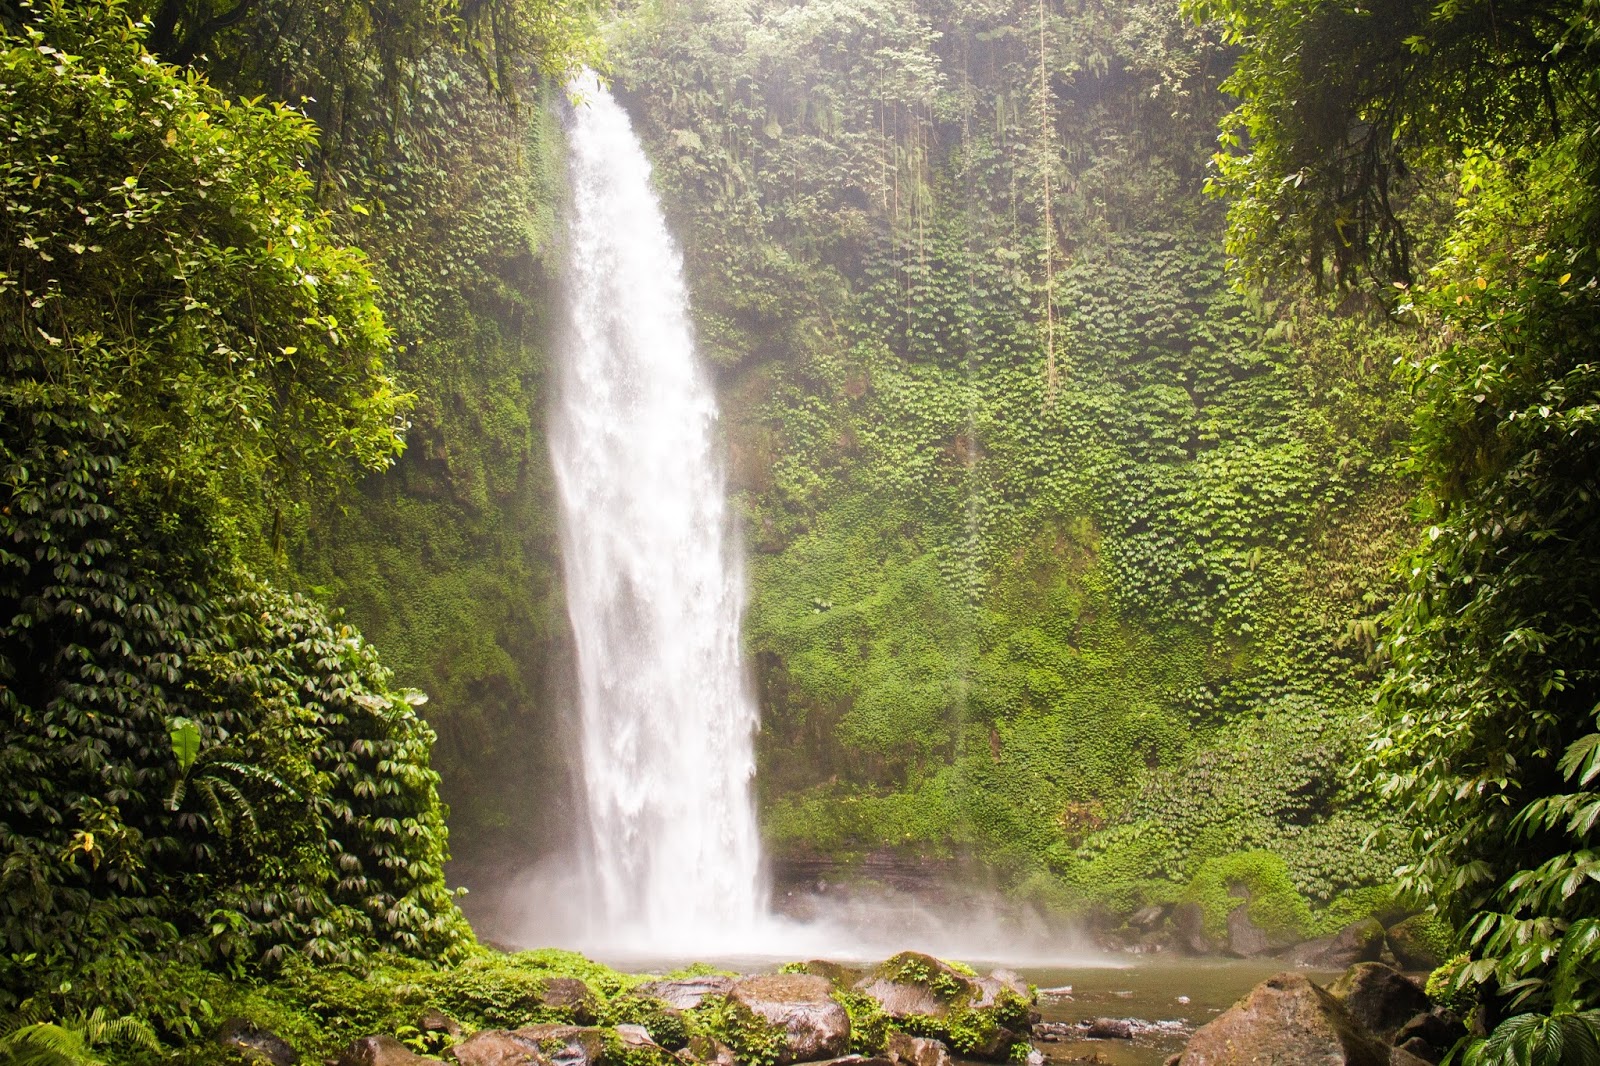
[855,1060]
[998,983]
[908,1050]
[915,984]
[685,993]
[1285,1019]
[437,1021]
[1189,929]
[841,975]
[566,1045]
[1380,998]
[637,1038]
[1412,943]
[815,1026]
[1109,1029]
[381,1051]
[496,1047]
[257,1044]
[1361,941]
[1399,1056]
[1246,940]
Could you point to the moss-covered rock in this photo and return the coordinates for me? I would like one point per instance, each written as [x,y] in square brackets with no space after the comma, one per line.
[1421,942]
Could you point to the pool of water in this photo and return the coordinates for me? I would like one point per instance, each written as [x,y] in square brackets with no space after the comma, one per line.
[1186,991]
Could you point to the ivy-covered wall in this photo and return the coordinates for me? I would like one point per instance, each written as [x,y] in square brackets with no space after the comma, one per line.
[1065,553]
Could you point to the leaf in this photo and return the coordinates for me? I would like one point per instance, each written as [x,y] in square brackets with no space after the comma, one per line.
[185,736]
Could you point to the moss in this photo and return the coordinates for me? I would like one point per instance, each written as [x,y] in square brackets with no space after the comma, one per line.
[753,1039]
[1262,877]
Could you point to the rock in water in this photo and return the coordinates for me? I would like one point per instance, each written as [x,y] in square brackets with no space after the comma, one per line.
[257,1044]
[908,1050]
[1380,998]
[1357,942]
[496,1047]
[1245,938]
[815,1026]
[381,1051]
[1189,923]
[1109,1029]
[1285,1020]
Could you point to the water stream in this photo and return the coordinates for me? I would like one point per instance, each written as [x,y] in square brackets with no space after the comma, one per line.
[654,578]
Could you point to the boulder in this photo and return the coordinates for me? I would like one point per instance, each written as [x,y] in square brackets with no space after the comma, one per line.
[637,1038]
[433,1020]
[1246,940]
[1189,927]
[257,1044]
[998,982]
[1148,918]
[685,993]
[908,1050]
[566,1045]
[1109,1029]
[496,1047]
[1415,942]
[381,1051]
[915,984]
[1429,1036]
[996,1047]
[815,1025]
[1285,1019]
[1399,1056]
[1357,942]
[1380,998]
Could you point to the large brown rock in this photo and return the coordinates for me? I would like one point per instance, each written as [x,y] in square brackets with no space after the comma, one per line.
[908,1050]
[1189,930]
[1246,940]
[1380,998]
[685,993]
[1357,942]
[815,1026]
[381,1051]
[915,984]
[497,1047]
[1285,1021]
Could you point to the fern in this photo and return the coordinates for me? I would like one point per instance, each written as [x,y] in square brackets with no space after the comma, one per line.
[27,1040]
[1565,1039]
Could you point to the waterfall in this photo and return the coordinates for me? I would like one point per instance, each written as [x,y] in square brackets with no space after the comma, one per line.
[654,578]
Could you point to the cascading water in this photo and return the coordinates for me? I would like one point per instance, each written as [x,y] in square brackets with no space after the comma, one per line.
[654,580]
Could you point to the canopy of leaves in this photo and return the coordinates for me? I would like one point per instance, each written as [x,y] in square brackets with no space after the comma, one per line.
[1493,693]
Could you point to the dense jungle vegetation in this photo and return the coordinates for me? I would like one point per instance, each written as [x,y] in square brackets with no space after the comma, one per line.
[1131,516]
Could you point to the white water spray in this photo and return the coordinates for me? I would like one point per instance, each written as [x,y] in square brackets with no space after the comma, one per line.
[654,581]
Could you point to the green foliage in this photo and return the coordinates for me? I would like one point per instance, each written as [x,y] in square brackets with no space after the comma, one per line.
[753,1039]
[1490,702]
[69,1043]
[161,254]
[1565,1039]
[117,623]
[1000,609]
[1222,884]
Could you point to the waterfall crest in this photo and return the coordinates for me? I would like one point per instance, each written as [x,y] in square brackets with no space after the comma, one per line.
[654,577]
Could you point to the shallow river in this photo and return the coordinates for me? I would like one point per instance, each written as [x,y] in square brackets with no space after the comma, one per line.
[1150,989]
